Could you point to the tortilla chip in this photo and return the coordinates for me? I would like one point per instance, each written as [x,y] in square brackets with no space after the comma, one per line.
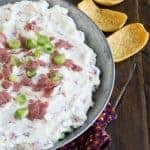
[128,41]
[107,20]
[108,2]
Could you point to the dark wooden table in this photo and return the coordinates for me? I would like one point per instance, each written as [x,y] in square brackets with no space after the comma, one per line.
[132,129]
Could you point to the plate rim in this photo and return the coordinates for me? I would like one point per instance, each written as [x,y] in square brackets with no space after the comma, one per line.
[61,144]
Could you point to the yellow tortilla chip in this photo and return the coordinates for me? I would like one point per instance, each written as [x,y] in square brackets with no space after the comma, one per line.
[128,41]
[107,20]
[108,2]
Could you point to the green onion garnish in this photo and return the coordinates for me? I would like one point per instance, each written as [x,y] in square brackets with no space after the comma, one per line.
[31,73]
[62,136]
[49,48]
[15,61]
[21,99]
[56,76]
[59,59]
[14,44]
[21,113]
[13,78]
[31,43]
[42,39]
[37,53]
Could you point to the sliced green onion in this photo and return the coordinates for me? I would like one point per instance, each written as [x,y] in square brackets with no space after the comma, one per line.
[62,136]
[37,53]
[15,61]
[13,78]
[21,99]
[49,48]
[59,59]
[31,73]
[56,76]
[31,43]
[21,113]
[26,59]
[42,39]
[14,44]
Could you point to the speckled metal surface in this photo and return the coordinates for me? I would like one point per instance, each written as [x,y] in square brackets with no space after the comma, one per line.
[96,40]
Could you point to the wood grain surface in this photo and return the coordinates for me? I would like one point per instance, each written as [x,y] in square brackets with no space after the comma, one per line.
[132,129]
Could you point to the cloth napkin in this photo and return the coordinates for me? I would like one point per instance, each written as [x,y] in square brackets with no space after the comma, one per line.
[96,137]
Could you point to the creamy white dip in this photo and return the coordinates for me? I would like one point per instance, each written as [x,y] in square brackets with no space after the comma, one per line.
[70,100]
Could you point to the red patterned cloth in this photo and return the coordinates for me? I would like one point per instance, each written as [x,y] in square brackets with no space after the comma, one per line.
[95,138]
